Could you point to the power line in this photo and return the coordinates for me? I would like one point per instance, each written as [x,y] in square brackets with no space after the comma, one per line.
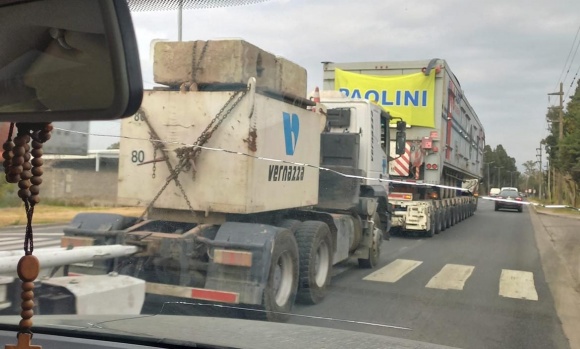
[567,58]
[572,83]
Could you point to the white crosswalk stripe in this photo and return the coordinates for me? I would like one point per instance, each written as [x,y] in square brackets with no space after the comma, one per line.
[517,284]
[15,241]
[451,277]
[512,283]
[393,271]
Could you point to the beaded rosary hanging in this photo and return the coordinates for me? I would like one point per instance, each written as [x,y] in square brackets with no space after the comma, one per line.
[24,166]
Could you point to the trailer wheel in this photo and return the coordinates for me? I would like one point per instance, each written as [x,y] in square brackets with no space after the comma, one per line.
[280,291]
[438,223]
[315,250]
[452,216]
[431,231]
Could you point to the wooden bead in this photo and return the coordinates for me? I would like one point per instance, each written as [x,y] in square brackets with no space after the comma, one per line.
[24,184]
[7,154]
[36,180]
[27,288]
[18,160]
[15,170]
[28,268]
[27,166]
[18,151]
[12,178]
[26,174]
[37,171]
[48,128]
[20,141]
[25,324]
[29,303]
[34,199]
[27,157]
[27,147]
[44,137]
[36,162]
[8,145]
[34,190]
[36,153]
[36,144]
[27,314]
[24,193]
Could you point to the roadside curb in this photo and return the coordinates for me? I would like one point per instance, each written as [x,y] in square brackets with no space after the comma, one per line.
[560,281]
[554,214]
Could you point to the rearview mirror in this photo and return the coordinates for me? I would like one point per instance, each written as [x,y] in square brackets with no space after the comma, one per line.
[400,143]
[68,61]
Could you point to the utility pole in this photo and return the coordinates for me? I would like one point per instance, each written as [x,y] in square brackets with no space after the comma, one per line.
[488,177]
[511,177]
[549,184]
[557,176]
[498,172]
[180,21]
[539,155]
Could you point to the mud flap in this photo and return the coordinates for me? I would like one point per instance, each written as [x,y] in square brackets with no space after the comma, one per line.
[249,282]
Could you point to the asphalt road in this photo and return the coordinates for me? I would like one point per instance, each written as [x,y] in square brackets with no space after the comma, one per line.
[479,284]
[471,257]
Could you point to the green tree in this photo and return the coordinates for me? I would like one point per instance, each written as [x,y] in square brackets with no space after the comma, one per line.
[114,146]
[564,154]
[507,172]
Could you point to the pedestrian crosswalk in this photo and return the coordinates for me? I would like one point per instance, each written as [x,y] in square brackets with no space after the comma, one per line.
[15,241]
[451,277]
[515,284]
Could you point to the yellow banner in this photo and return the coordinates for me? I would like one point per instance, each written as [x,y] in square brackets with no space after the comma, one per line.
[410,97]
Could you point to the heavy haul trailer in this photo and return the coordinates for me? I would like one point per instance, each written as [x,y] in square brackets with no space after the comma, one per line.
[250,219]
[445,139]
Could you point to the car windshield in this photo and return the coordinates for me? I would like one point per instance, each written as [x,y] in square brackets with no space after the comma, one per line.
[331,164]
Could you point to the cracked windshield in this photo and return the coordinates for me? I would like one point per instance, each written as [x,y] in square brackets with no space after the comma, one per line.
[403,170]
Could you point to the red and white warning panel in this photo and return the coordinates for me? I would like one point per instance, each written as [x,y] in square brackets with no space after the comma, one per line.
[400,166]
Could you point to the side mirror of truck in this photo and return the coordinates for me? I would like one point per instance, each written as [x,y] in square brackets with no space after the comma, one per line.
[401,126]
[400,142]
[68,61]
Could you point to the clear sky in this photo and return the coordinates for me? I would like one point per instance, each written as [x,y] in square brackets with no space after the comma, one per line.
[507,55]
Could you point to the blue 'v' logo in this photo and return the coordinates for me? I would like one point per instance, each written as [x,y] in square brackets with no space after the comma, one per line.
[291,130]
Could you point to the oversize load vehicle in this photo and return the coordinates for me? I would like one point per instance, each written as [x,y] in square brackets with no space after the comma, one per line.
[238,210]
[445,139]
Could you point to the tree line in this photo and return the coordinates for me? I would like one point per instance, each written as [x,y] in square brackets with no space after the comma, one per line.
[564,154]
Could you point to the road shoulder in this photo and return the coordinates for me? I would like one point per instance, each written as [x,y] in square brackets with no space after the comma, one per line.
[557,266]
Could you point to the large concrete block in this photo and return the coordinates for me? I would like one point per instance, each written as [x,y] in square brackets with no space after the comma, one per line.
[291,77]
[225,62]
[173,62]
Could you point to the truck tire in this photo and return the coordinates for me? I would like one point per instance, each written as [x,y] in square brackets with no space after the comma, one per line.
[280,291]
[315,251]
[290,224]
[375,250]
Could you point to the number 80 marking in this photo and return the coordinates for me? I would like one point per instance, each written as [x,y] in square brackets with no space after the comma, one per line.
[137,156]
